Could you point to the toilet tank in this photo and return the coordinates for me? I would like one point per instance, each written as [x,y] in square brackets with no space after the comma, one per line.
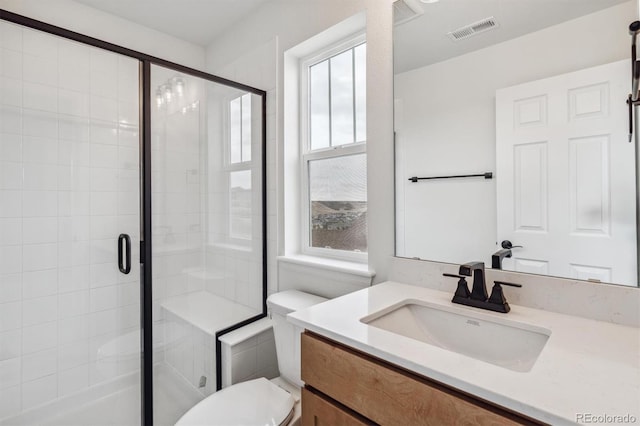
[287,335]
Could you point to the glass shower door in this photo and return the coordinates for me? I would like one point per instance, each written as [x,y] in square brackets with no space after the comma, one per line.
[207,217]
[69,199]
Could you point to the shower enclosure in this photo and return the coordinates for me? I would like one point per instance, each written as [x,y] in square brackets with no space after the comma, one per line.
[132,197]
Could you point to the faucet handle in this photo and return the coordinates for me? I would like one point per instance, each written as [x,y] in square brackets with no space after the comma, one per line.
[452,275]
[506,283]
[463,288]
[497,296]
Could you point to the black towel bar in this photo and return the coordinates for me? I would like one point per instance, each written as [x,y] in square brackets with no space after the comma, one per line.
[486,175]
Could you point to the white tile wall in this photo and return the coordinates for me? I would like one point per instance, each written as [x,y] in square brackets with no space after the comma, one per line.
[190,352]
[39,283]
[73,380]
[10,287]
[39,364]
[10,344]
[39,391]
[176,138]
[10,372]
[10,401]
[63,153]
[249,359]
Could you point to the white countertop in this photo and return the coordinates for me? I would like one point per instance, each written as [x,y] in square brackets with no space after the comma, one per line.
[587,366]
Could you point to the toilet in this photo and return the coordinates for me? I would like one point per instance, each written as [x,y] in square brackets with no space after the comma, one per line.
[262,401]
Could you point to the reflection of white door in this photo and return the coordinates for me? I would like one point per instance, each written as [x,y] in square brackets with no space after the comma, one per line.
[565,175]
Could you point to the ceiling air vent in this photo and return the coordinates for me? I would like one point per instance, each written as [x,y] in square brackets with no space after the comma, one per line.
[473,29]
[405,10]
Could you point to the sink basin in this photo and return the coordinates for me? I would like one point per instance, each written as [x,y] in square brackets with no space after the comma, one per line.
[498,341]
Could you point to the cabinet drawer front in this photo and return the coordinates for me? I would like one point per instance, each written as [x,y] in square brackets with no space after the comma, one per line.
[318,411]
[388,395]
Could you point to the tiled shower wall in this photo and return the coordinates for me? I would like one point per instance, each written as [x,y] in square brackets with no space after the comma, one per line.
[192,246]
[177,192]
[192,255]
[68,187]
[178,251]
[190,184]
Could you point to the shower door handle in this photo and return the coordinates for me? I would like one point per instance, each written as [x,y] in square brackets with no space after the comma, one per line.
[124,264]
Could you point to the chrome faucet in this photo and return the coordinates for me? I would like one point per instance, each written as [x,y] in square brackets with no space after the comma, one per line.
[478,297]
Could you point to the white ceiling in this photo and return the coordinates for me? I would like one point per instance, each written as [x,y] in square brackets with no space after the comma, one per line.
[196,21]
[423,40]
[417,43]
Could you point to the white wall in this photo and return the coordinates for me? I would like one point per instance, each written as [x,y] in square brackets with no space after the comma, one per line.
[95,23]
[256,46]
[447,126]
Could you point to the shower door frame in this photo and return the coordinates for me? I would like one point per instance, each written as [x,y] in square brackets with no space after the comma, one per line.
[145,104]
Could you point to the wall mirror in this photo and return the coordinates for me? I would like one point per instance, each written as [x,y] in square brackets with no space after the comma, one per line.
[512,136]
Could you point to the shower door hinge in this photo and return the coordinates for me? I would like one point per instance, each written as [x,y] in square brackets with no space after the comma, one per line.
[142,252]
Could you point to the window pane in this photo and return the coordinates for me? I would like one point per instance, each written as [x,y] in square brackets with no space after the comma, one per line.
[246,127]
[361,92]
[342,98]
[319,105]
[240,204]
[338,194]
[235,132]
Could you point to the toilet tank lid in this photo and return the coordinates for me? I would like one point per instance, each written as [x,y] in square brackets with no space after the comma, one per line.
[289,301]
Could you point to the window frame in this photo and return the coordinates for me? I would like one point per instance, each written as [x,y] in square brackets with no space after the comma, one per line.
[231,167]
[306,154]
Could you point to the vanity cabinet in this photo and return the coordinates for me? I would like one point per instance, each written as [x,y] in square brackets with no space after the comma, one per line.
[319,410]
[344,386]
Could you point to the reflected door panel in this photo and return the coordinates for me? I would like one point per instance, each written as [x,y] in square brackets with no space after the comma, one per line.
[565,176]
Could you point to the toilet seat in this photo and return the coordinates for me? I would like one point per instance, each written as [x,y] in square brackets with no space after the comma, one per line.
[256,402]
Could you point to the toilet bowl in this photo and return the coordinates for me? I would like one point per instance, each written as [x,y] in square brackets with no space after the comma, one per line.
[262,401]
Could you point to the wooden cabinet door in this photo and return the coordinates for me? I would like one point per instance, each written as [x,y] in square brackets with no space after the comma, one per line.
[319,411]
[388,395]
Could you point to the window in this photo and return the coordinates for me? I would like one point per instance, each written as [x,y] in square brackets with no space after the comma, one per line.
[240,204]
[240,129]
[239,166]
[333,152]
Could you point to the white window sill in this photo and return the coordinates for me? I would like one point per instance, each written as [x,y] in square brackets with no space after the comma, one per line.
[354,268]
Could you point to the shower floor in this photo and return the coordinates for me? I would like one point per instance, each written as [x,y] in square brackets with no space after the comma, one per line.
[173,396]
